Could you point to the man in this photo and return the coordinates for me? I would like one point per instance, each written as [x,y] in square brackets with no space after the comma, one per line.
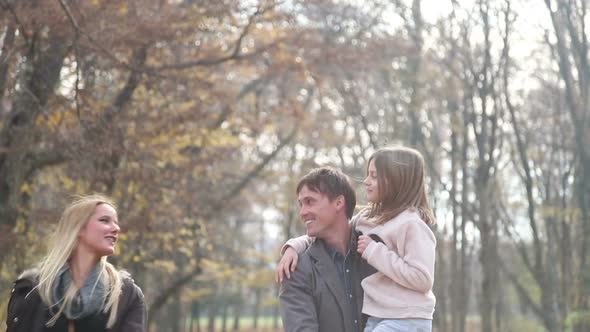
[324,293]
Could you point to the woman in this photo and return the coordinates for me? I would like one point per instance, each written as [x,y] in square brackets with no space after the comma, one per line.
[75,288]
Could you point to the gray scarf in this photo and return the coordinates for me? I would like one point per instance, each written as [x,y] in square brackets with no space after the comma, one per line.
[88,300]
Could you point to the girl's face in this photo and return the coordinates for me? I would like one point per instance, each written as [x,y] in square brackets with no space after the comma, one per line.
[371,183]
[99,236]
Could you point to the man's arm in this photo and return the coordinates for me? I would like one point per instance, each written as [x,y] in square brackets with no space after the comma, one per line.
[298,309]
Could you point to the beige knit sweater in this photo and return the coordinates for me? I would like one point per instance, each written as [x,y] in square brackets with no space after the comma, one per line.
[402,287]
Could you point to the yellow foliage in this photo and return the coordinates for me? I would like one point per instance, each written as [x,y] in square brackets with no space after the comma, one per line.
[68,183]
[25,188]
[263,256]
[187,252]
[3,311]
[260,278]
[163,265]
[223,139]
[217,270]
[20,225]
[270,301]
[557,212]
[190,294]
[132,188]
[52,121]
[184,232]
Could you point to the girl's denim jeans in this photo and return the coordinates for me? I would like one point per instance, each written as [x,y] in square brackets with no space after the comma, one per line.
[398,325]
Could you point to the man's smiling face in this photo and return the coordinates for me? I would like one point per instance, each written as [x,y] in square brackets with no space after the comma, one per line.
[317,211]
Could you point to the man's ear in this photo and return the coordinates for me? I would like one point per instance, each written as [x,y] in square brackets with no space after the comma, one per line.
[339,201]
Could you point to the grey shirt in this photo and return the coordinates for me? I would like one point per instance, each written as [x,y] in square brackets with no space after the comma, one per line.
[344,266]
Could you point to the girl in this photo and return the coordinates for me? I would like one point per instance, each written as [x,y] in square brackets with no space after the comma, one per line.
[75,288]
[397,242]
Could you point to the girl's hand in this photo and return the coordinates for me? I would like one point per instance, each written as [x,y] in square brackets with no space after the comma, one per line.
[286,265]
[362,243]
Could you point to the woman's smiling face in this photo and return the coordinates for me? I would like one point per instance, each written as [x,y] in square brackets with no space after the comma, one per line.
[99,235]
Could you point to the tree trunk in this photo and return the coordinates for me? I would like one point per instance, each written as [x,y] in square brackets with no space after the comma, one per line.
[276,316]
[488,261]
[196,315]
[237,316]
[21,158]
[211,313]
[174,314]
[443,298]
[415,68]
[465,257]
[224,316]
[256,313]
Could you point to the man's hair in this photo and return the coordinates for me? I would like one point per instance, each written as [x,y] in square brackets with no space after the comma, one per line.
[332,183]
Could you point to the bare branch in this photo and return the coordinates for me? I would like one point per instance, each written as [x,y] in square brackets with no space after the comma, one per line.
[253,173]
[6,6]
[73,21]
[235,54]
[7,51]
[524,294]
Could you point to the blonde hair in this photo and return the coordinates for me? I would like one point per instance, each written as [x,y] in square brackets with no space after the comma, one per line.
[64,241]
[400,179]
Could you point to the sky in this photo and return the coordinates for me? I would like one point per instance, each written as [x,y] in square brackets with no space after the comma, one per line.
[532,19]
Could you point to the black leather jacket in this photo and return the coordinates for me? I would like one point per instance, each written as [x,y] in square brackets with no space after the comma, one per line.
[28,313]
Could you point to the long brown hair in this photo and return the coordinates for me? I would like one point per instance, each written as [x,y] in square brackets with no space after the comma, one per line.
[400,180]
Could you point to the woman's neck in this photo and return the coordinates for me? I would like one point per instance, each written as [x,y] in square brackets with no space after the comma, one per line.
[81,266]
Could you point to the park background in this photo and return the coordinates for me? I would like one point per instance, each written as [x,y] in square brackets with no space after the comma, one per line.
[198,117]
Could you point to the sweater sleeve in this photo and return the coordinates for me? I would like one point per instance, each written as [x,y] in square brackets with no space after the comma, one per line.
[299,244]
[415,270]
